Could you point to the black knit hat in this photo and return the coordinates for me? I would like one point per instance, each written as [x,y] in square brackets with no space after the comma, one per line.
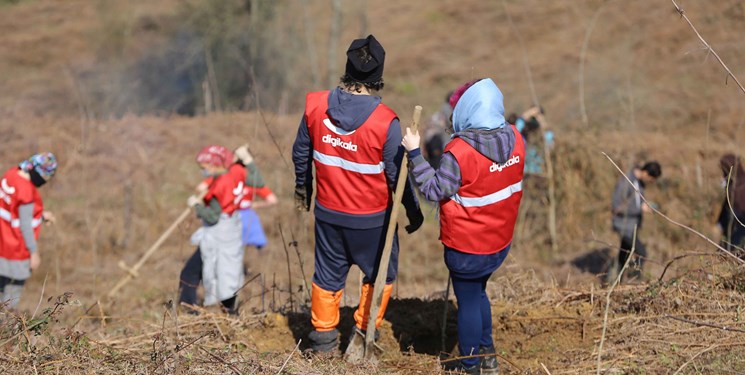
[365,58]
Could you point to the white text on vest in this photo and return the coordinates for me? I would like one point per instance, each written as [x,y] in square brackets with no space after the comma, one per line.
[337,142]
[498,167]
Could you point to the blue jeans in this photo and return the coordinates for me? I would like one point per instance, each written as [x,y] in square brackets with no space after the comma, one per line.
[469,273]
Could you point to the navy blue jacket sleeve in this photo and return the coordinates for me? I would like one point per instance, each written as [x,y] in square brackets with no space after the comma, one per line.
[393,154]
[302,155]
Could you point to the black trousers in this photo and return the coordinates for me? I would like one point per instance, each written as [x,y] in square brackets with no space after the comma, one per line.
[640,254]
[191,277]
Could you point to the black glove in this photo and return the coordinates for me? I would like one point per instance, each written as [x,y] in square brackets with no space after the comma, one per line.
[415,217]
[303,193]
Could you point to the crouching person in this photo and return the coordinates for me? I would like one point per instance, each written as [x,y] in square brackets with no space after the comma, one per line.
[21,215]
[479,187]
[218,260]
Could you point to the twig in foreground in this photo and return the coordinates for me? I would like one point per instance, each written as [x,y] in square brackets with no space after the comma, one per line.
[289,356]
[607,301]
[221,360]
[708,47]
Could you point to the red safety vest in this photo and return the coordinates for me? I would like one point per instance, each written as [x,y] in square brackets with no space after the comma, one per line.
[227,188]
[250,192]
[17,191]
[480,217]
[349,165]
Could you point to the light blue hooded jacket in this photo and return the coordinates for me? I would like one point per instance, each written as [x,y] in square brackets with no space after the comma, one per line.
[478,119]
[480,108]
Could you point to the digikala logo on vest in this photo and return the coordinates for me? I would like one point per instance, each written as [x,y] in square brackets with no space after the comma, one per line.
[337,142]
[498,167]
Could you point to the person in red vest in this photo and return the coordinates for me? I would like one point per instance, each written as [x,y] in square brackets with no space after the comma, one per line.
[21,215]
[479,187]
[218,260]
[354,142]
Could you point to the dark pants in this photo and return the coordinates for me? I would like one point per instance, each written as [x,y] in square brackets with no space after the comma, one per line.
[10,292]
[469,273]
[337,248]
[191,276]
[474,317]
[640,254]
[734,233]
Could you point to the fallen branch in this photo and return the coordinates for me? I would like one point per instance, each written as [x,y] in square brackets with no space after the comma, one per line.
[681,257]
[694,357]
[703,324]
[221,360]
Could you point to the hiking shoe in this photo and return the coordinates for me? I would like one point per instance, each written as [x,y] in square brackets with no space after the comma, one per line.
[489,364]
[457,367]
[324,342]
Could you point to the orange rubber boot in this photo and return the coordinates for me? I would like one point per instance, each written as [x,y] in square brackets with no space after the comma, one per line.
[363,310]
[324,308]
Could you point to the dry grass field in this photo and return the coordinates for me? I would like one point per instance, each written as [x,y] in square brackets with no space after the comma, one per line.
[650,91]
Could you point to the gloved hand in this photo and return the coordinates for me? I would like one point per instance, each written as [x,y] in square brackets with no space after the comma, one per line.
[193,201]
[415,219]
[303,193]
[243,154]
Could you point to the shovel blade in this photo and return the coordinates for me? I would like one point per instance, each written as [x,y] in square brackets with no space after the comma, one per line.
[356,351]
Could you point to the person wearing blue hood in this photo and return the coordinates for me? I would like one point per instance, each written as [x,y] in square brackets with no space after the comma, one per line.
[479,187]
[354,142]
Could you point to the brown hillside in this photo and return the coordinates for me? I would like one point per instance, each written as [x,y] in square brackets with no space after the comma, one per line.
[650,91]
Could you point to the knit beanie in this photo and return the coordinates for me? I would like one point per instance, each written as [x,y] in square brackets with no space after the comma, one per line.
[365,66]
[45,164]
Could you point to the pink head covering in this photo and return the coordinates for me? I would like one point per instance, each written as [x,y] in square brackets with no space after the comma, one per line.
[214,155]
[459,92]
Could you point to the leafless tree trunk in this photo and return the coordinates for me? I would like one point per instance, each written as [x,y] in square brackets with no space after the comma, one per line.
[363,18]
[336,20]
[212,79]
[312,56]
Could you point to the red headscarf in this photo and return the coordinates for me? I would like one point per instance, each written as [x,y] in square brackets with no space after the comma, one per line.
[214,155]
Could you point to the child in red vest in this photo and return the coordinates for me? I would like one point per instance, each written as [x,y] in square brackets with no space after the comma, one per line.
[21,215]
[479,187]
[218,260]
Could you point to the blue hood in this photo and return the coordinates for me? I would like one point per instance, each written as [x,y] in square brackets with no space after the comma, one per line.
[480,108]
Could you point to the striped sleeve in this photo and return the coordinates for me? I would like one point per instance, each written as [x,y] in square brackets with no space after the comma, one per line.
[436,185]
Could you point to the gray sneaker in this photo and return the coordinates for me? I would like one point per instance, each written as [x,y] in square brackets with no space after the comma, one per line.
[489,364]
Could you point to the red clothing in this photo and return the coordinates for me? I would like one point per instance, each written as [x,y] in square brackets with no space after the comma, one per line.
[480,218]
[249,192]
[349,164]
[16,191]
[227,188]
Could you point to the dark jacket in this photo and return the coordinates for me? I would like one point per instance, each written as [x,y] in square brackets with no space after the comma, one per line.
[349,112]
[627,205]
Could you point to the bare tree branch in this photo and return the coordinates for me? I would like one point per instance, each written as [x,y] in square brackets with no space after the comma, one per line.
[708,47]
